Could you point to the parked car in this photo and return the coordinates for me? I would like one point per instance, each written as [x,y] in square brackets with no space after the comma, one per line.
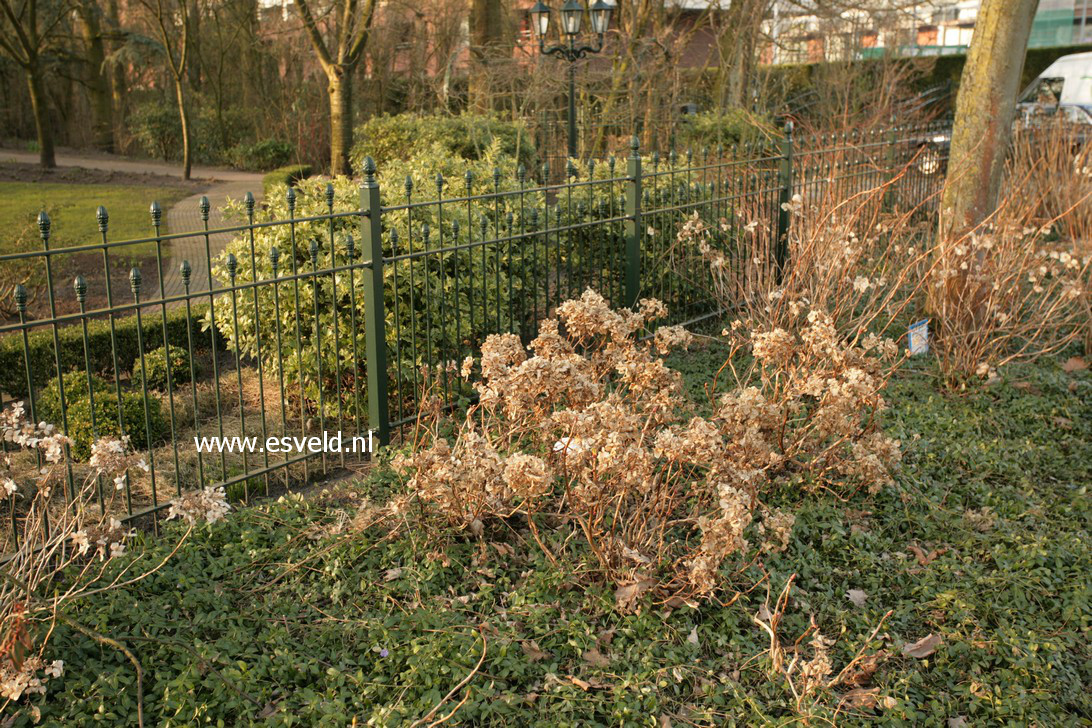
[1065,86]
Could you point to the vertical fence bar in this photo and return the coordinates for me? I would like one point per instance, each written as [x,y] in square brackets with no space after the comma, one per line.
[633,222]
[781,243]
[375,338]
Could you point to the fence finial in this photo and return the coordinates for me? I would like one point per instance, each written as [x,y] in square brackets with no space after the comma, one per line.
[274,258]
[634,146]
[103,217]
[248,202]
[185,270]
[369,172]
[232,266]
[788,128]
[290,198]
[350,246]
[314,253]
[20,298]
[134,281]
[44,225]
[80,286]
[330,195]
[203,206]
[156,212]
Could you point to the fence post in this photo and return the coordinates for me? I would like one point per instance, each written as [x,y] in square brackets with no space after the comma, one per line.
[781,245]
[375,319]
[633,223]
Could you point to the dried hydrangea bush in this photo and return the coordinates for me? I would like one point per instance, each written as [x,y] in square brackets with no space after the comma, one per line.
[592,434]
[63,553]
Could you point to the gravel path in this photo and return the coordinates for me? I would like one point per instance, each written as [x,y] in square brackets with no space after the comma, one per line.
[184,216]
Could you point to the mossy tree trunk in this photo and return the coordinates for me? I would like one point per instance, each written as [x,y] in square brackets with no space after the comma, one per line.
[96,81]
[340,91]
[26,34]
[985,108]
[339,55]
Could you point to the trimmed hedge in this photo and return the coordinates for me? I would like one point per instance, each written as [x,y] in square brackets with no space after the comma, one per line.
[13,379]
[141,434]
[156,363]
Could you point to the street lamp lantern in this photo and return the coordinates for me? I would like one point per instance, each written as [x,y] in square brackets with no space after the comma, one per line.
[540,19]
[572,15]
[572,12]
[600,16]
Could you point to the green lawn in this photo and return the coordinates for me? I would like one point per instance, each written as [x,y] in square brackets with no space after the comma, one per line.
[72,207]
[286,615]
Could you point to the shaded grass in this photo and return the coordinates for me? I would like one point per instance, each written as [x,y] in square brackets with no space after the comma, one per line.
[288,614]
[71,208]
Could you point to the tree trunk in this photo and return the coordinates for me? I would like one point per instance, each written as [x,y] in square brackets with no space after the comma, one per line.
[46,156]
[488,43]
[340,89]
[98,85]
[117,78]
[985,108]
[184,116]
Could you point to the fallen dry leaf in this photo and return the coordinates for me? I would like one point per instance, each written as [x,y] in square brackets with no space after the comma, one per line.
[582,684]
[625,597]
[924,647]
[1074,364]
[857,596]
[861,672]
[926,558]
[597,658]
[665,722]
[862,697]
[392,574]
[692,638]
[586,684]
[533,652]
[1064,423]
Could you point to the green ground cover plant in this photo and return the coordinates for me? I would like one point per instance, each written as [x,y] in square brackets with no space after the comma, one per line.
[963,585]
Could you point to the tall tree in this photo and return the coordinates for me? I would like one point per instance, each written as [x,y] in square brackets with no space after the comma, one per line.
[339,37]
[90,25]
[26,30]
[985,107]
[171,23]
[490,41]
[738,29]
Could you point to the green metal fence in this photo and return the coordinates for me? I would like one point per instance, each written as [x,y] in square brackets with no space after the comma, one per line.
[345,309]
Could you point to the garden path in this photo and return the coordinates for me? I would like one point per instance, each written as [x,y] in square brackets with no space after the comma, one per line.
[183,216]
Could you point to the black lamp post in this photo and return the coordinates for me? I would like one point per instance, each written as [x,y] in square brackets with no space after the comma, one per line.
[572,13]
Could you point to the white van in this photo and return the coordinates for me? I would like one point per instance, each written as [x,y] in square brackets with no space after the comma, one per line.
[1065,85]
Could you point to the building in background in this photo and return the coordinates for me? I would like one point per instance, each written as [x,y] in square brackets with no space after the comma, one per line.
[798,33]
